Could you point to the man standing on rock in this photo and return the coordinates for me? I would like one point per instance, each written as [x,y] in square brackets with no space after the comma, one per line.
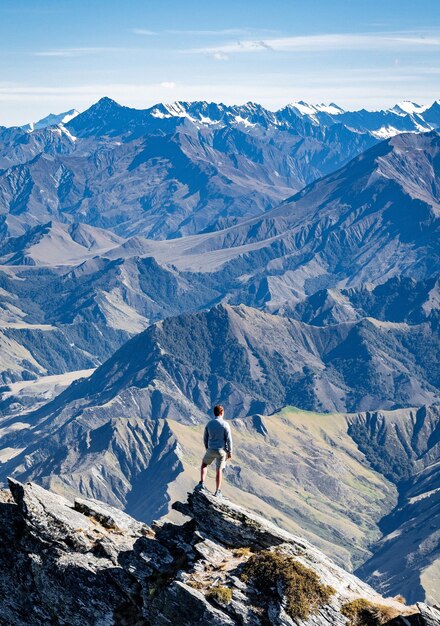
[218,444]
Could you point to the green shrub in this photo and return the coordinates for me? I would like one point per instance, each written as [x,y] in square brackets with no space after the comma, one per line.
[220,594]
[362,612]
[273,573]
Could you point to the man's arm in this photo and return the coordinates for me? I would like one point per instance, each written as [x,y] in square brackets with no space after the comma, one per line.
[228,440]
[206,437]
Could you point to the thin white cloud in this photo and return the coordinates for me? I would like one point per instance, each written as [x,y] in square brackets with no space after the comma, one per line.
[312,43]
[143,31]
[220,56]
[224,32]
[168,84]
[77,52]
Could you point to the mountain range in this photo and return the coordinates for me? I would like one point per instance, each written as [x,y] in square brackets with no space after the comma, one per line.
[371,227]
[179,169]
[155,262]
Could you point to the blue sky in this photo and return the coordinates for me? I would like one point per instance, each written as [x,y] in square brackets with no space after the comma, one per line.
[59,54]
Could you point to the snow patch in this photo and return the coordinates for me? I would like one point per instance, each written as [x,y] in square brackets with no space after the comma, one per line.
[68,133]
[207,120]
[160,114]
[244,121]
[385,132]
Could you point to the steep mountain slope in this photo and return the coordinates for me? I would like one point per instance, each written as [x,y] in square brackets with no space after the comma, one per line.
[399,299]
[375,222]
[255,362]
[406,452]
[376,218]
[87,563]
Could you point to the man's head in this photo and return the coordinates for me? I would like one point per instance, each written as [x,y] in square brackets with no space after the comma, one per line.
[218,410]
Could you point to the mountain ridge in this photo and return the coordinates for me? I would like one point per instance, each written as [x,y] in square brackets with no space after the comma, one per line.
[226,156]
[117,569]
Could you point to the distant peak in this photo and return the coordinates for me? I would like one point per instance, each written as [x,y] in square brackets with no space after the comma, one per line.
[53,119]
[106,102]
[406,107]
[312,109]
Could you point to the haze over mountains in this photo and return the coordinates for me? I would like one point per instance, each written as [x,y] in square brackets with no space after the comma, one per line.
[155,262]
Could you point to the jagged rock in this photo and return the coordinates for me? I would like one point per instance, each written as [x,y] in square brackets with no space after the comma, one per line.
[232,524]
[430,615]
[110,517]
[86,563]
[52,517]
[181,604]
[235,526]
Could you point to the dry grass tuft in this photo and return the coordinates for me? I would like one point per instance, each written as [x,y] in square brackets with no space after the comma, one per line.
[362,612]
[195,584]
[242,552]
[220,594]
[400,598]
[273,574]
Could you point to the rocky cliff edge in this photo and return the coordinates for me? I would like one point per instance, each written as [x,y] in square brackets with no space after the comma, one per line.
[85,562]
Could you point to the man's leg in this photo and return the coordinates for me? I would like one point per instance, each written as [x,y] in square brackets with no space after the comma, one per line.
[203,472]
[218,478]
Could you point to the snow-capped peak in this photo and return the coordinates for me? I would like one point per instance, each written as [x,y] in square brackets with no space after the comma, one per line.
[331,109]
[304,108]
[406,107]
[171,109]
[53,119]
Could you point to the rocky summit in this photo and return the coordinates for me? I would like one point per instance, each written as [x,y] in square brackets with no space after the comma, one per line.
[87,563]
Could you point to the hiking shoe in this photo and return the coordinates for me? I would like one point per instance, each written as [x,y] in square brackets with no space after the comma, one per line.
[200,487]
[218,494]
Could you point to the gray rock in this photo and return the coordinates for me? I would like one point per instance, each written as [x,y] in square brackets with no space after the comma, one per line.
[430,614]
[110,517]
[181,604]
[113,574]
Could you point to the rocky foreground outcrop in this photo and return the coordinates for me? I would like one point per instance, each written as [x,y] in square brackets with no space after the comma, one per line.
[86,563]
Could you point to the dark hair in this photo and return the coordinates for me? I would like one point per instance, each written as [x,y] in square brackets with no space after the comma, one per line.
[218,410]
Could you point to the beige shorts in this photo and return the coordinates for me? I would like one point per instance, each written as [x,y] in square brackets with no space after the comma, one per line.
[219,456]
